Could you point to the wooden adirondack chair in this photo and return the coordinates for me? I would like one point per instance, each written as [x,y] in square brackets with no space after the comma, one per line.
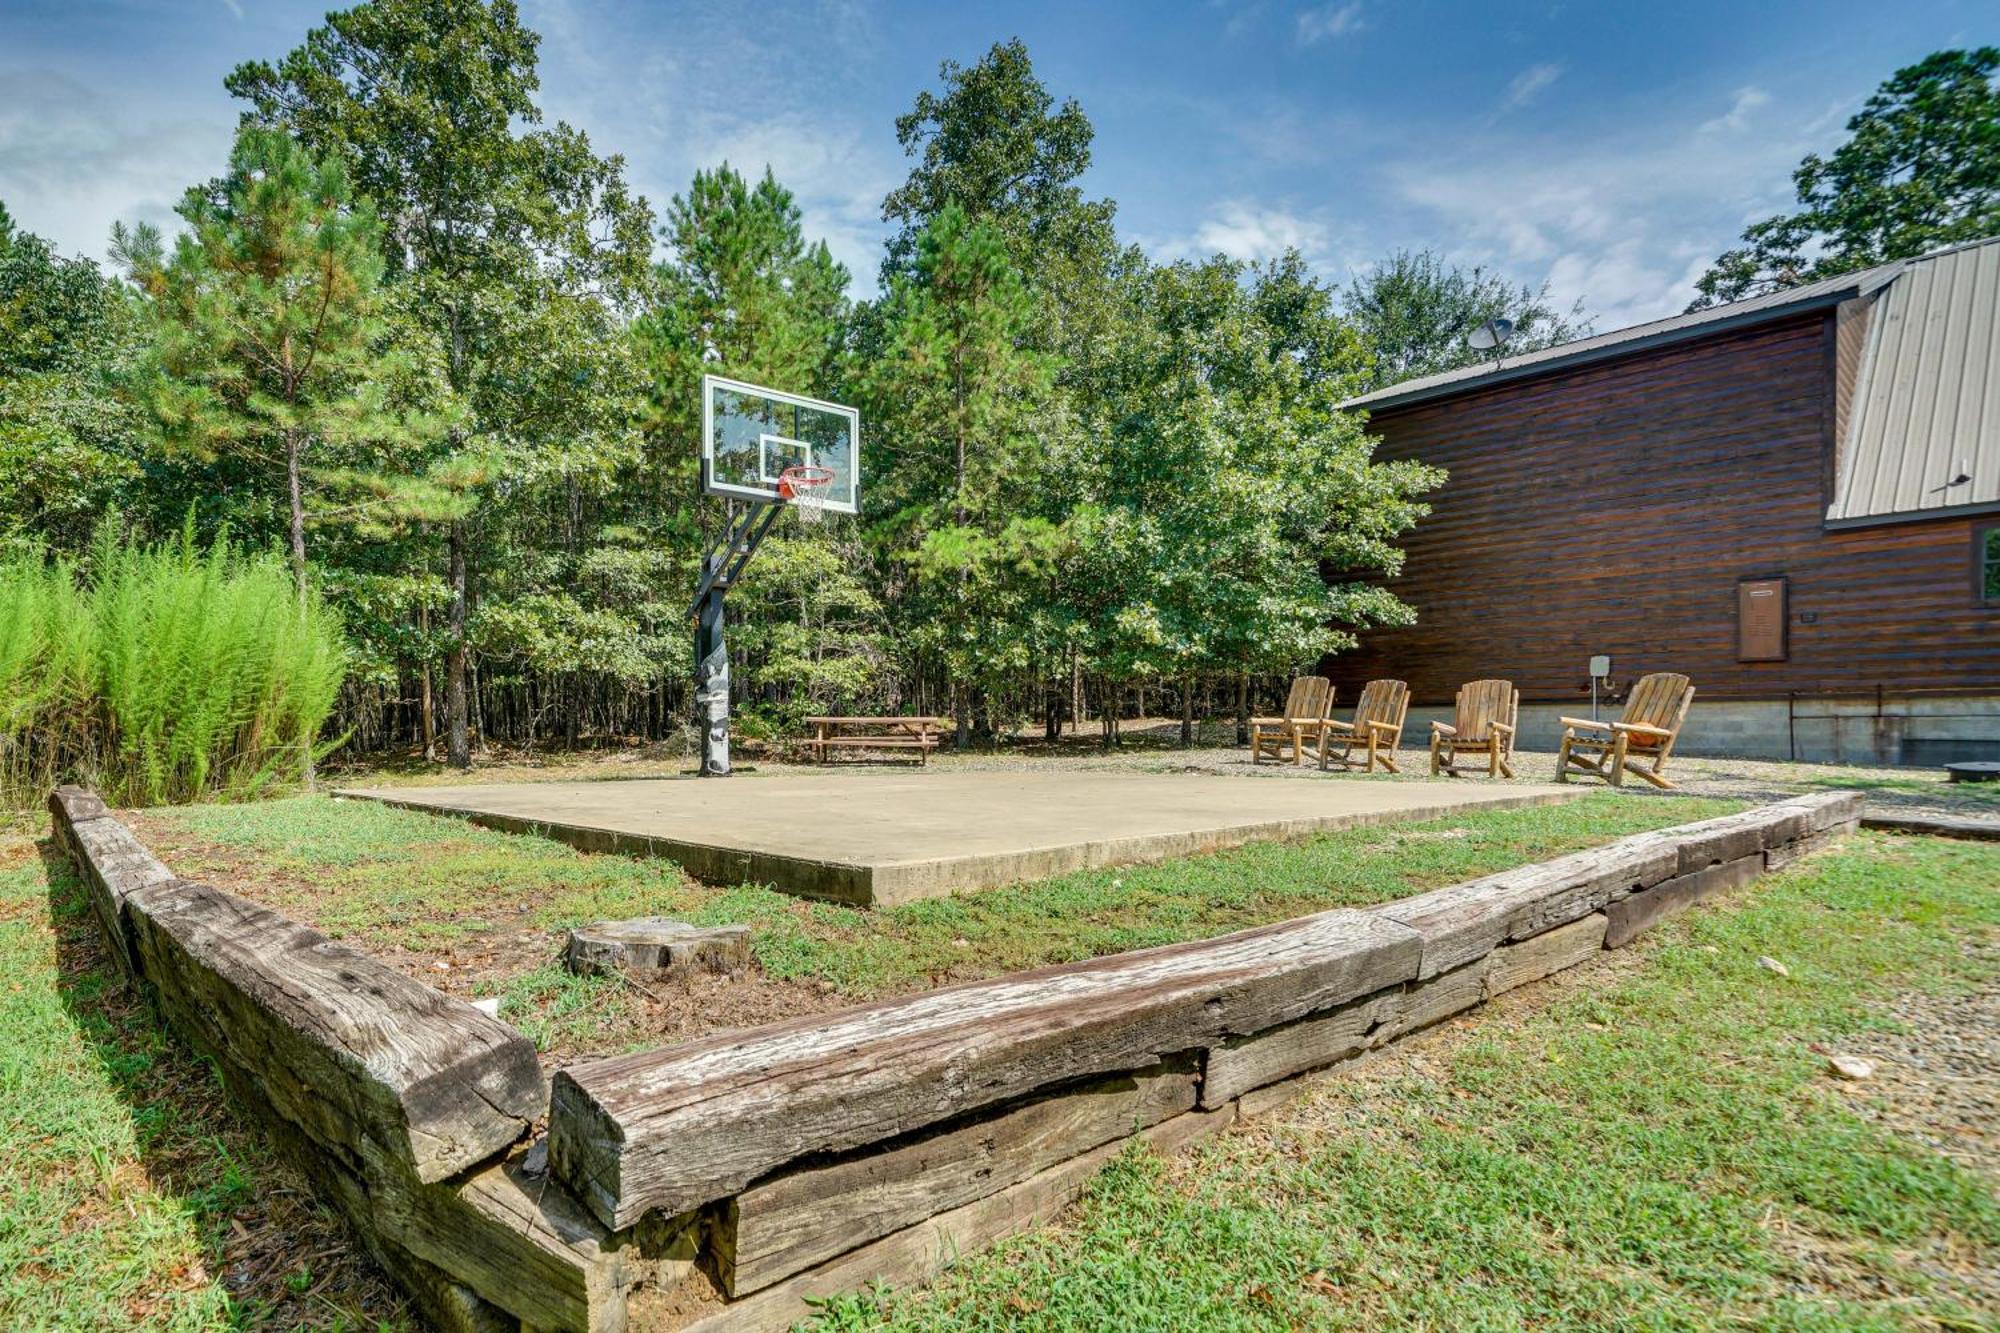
[1306,707]
[1654,712]
[1375,732]
[1483,725]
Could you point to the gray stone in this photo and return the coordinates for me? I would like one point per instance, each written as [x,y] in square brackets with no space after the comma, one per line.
[651,946]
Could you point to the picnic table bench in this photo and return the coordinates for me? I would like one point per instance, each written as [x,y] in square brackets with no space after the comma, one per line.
[874,733]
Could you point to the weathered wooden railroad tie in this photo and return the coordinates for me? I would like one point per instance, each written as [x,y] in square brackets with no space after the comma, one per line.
[722,1183]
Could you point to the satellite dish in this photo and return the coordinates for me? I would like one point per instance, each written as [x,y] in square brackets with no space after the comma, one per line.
[1493,333]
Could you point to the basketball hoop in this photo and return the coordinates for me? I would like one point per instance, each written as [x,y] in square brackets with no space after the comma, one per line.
[806,486]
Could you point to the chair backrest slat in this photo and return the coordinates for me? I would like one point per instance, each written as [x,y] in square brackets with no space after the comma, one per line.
[1382,701]
[1311,699]
[1660,700]
[1481,703]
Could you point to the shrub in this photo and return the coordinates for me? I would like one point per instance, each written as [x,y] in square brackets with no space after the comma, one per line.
[163,673]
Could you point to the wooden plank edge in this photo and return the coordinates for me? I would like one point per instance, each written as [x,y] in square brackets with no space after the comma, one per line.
[1940,826]
[1392,1014]
[807,1215]
[920,1252]
[477,1252]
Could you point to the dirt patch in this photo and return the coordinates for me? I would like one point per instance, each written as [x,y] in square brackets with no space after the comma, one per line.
[666,1013]
[1937,1080]
[617,1015]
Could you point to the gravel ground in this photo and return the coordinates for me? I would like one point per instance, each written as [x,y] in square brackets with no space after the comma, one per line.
[1152,746]
[1937,1076]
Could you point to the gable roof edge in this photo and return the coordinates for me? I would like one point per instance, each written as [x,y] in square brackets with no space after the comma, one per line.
[1551,360]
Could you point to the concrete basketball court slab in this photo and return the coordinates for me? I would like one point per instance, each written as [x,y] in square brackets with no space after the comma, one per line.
[880,839]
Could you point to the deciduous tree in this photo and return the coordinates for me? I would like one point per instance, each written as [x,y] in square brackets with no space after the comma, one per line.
[1920,169]
[70,442]
[1414,309]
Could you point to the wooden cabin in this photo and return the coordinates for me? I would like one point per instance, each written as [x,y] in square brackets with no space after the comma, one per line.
[1794,500]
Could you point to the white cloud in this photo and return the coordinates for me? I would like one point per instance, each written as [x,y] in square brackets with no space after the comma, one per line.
[678,109]
[74,159]
[1336,20]
[1242,230]
[1530,84]
[1623,221]
[1242,17]
[1746,101]
[837,173]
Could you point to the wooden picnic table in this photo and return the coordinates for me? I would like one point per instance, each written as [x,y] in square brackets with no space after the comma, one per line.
[874,733]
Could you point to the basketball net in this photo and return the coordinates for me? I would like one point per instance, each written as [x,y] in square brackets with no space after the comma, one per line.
[805,486]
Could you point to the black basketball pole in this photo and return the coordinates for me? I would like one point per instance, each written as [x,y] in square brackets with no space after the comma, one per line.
[720,569]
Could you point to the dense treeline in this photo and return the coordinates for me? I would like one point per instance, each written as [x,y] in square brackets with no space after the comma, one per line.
[436,353]
[439,359]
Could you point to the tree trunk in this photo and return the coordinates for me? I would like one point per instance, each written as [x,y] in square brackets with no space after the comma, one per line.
[1187,713]
[429,713]
[457,741]
[1243,709]
[296,487]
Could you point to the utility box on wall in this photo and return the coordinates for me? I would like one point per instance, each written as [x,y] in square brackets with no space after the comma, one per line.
[1761,620]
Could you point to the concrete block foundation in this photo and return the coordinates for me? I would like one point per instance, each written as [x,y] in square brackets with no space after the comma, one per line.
[1923,731]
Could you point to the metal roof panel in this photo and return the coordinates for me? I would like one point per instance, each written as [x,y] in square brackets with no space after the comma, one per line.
[1926,409]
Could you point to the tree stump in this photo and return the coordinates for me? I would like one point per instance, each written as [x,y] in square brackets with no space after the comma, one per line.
[655,946]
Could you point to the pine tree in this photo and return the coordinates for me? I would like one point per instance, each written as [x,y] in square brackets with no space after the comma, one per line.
[741,294]
[518,241]
[268,317]
[960,401]
[268,321]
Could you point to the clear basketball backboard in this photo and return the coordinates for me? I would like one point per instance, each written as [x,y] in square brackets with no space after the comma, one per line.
[750,435]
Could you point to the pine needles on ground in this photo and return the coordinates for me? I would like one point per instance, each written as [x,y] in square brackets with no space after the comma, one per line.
[160,673]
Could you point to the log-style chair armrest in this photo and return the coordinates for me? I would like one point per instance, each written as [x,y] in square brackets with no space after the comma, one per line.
[1444,728]
[1270,722]
[1377,724]
[1585,723]
[1335,724]
[1502,726]
[1642,729]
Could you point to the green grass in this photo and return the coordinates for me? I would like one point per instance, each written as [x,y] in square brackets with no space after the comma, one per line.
[160,673]
[126,1188]
[1664,1152]
[1661,1151]
[409,880]
[1967,793]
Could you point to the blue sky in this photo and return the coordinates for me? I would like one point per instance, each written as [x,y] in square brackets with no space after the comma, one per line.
[1607,149]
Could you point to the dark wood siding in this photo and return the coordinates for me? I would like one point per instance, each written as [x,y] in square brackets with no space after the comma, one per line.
[1614,508]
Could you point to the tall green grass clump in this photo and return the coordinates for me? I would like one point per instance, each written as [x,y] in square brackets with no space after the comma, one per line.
[160,673]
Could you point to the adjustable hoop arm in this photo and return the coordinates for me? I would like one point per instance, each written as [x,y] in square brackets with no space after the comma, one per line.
[723,565]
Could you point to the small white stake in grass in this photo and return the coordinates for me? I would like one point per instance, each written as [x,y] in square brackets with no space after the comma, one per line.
[490,1006]
[1851,1066]
[1773,965]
